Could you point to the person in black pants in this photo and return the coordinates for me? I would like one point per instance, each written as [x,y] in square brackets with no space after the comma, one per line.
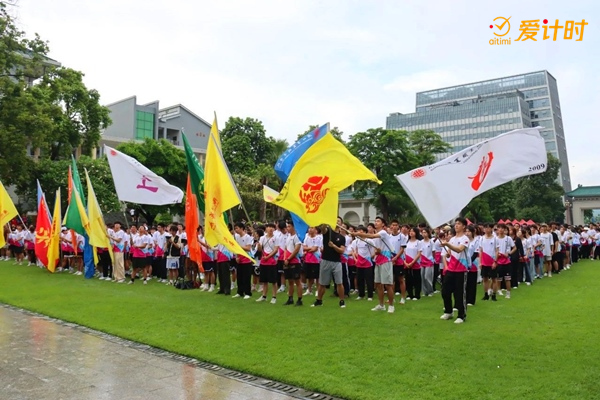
[245,266]
[455,279]
[473,254]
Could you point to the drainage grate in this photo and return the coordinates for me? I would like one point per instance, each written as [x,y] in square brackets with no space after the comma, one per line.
[274,386]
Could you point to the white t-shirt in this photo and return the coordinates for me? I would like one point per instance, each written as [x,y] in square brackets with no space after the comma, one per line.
[412,249]
[268,244]
[547,243]
[398,241]
[290,245]
[244,241]
[384,244]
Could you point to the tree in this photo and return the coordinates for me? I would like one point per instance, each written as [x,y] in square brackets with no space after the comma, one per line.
[245,145]
[54,174]
[165,160]
[493,205]
[335,132]
[389,153]
[539,196]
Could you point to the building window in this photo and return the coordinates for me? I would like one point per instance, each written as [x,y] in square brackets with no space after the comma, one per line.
[144,128]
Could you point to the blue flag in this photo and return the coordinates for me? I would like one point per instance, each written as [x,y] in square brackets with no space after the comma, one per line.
[288,159]
[40,198]
[88,258]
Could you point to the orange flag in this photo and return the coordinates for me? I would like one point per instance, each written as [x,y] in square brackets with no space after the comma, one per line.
[191,224]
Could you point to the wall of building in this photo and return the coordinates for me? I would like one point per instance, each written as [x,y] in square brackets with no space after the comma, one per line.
[122,114]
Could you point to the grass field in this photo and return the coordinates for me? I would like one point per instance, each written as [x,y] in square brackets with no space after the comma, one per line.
[543,343]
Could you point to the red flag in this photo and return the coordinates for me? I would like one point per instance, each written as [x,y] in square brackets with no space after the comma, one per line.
[70,183]
[191,224]
[43,228]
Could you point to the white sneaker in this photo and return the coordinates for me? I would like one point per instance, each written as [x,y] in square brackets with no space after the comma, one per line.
[436,291]
[145,282]
[545,274]
[397,294]
[261,298]
[370,299]
[281,289]
[121,281]
[232,285]
[402,301]
[130,283]
[528,283]
[507,295]
[307,293]
[446,316]
[469,305]
[379,307]
[415,299]
[358,298]
[211,288]
[500,292]
[459,321]
[274,300]
[550,275]
[246,297]
[430,295]
[101,277]
[391,309]
[237,296]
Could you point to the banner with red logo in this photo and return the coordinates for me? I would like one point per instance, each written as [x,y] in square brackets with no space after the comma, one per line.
[443,189]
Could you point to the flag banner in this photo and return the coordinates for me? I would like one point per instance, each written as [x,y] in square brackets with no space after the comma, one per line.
[98,234]
[54,243]
[443,189]
[311,190]
[191,225]
[221,195]
[289,158]
[43,229]
[137,184]
[196,173]
[7,211]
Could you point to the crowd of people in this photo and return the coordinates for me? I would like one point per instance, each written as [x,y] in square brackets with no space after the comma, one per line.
[389,263]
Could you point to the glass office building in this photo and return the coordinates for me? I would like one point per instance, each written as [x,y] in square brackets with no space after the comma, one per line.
[467,114]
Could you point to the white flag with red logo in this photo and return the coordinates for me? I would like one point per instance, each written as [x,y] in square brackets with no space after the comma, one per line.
[137,184]
[443,189]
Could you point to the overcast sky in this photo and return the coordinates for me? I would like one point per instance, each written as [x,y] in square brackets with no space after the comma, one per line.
[295,63]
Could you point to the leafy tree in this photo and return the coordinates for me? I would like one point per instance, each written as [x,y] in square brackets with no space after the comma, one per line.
[539,196]
[250,189]
[493,205]
[335,132]
[279,147]
[165,160]
[389,153]
[246,145]
[54,174]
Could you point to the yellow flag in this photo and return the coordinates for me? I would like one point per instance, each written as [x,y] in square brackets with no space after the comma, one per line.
[269,194]
[220,195]
[54,246]
[312,188]
[98,233]
[7,211]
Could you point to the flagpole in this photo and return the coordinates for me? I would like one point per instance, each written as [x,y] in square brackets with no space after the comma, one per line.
[124,206]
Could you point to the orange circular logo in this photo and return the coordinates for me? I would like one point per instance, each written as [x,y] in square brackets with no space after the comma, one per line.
[418,173]
[503,27]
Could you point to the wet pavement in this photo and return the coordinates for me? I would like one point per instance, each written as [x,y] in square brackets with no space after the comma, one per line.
[42,358]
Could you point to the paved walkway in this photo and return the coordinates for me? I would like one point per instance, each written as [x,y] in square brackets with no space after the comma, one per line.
[44,359]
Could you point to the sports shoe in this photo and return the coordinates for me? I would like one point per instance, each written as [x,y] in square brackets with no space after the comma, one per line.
[459,321]
[370,299]
[391,309]
[281,289]
[130,283]
[261,299]
[446,316]
[307,293]
[379,307]
[358,298]
[289,302]
[549,274]
[469,305]
[486,297]
[237,296]
[507,295]
[273,300]
[415,299]
[317,303]
[211,288]
[545,274]
[402,301]
[145,282]
[246,297]
[232,285]
[528,283]
[342,304]
[121,281]
[494,297]
[500,292]
[397,294]
[298,303]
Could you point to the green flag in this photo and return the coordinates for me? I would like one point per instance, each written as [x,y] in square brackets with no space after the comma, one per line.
[196,173]
[76,217]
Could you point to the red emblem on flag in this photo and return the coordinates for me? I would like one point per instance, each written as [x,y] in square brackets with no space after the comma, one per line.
[482,172]
[418,173]
[312,193]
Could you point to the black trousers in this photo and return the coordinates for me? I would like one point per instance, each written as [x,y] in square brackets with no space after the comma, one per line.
[224,277]
[159,267]
[352,271]
[366,277]
[455,286]
[436,273]
[244,279]
[413,283]
[471,287]
[106,264]
[574,254]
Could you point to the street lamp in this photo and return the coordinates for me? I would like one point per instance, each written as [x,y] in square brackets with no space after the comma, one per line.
[568,205]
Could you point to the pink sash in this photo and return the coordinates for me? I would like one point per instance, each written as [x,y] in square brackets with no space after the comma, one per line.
[425,262]
[486,260]
[362,262]
[503,259]
[269,261]
[343,258]
[30,246]
[159,252]
[351,261]
[381,259]
[437,257]
[311,258]
[138,253]
[294,260]
[222,257]
[205,257]
[416,265]
[400,261]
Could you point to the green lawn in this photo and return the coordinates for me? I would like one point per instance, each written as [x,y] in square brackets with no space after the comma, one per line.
[541,344]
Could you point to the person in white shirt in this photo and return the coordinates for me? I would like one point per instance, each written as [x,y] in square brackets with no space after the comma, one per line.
[313,242]
[19,244]
[78,256]
[280,238]
[291,264]
[547,249]
[362,250]
[30,245]
[269,249]
[118,239]
[160,263]
[245,266]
